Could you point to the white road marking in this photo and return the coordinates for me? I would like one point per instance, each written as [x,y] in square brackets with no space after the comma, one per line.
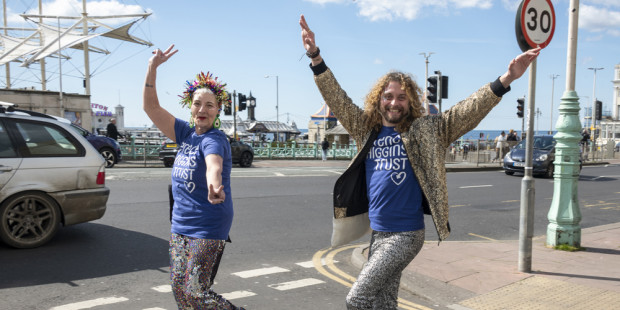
[91,303]
[474,186]
[310,264]
[279,174]
[156,308]
[238,294]
[259,272]
[163,288]
[295,284]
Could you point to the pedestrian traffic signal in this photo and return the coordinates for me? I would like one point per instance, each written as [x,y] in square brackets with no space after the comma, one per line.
[242,101]
[432,89]
[520,105]
[227,110]
[599,110]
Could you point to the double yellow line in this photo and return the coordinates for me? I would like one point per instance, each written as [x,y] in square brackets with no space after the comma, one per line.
[327,255]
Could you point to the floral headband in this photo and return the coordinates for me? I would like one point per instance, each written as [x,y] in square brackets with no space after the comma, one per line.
[205,81]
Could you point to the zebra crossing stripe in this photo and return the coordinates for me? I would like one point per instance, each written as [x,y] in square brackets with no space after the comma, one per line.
[295,284]
[91,303]
[259,272]
[238,294]
[310,264]
[163,288]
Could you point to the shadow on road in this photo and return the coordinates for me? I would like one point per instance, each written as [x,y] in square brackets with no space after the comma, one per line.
[83,251]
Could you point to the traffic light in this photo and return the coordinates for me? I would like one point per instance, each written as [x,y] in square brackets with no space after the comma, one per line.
[444,87]
[432,89]
[242,101]
[599,110]
[520,104]
[227,110]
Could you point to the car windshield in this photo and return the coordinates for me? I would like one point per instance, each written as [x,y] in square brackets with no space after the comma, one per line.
[541,143]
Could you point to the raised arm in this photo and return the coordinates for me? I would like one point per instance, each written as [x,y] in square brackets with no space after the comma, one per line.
[307,36]
[161,118]
[518,65]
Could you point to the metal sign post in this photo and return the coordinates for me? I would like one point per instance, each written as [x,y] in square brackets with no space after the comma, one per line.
[534,27]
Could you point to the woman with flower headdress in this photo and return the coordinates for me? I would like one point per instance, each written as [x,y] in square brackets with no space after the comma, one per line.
[203,210]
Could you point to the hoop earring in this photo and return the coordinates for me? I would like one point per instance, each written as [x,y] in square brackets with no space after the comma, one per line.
[217,122]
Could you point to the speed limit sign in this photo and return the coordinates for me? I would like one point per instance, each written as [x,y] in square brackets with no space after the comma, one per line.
[535,24]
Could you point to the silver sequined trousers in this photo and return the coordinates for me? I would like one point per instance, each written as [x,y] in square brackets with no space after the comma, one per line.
[378,282]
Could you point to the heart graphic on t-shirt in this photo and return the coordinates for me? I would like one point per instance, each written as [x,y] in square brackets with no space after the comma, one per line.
[190,186]
[398,177]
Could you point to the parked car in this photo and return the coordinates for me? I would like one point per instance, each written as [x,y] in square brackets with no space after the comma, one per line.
[106,146]
[543,157]
[50,175]
[617,147]
[242,153]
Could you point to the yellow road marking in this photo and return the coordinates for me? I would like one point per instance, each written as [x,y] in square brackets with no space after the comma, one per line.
[483,237]
[329,262]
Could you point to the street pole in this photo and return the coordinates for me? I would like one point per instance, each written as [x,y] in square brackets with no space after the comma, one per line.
[277,109]
[553,77]
[593,111]
[234,110]
[564,214]
[538,113]
[426,106]
[526,214]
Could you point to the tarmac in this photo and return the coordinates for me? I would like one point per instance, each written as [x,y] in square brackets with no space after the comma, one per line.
[484,275]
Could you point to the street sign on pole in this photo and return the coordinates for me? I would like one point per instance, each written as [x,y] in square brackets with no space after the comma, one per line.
[534,27]
[534,24]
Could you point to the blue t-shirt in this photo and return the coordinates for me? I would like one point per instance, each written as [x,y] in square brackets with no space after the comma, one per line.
[394,194]
[193,215]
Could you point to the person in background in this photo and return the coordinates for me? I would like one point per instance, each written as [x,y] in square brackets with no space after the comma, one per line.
[399,171]
[325,147]
[202,213]
[111,130]
[500,144]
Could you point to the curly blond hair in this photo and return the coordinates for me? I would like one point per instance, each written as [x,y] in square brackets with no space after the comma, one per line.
[372,115]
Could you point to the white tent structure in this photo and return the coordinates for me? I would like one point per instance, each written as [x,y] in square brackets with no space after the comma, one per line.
[49,39]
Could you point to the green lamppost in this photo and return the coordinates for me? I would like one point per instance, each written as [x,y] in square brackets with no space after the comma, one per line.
[564,215]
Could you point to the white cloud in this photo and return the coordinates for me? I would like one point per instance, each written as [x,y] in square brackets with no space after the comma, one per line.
[378,61]
[599,20]
[94,8]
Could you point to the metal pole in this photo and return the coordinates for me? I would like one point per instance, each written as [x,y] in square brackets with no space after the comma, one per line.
[564,214]
[42,61]
[277,109]
[526,218]
[439,86]
[553,77]
[425,100]
[234,108]
[7,66]
[86,52]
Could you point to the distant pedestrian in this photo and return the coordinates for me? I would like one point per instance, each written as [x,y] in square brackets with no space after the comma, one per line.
[111,130]
[325,147]
[500,146]
[399,172]
[585,140]
[465,151]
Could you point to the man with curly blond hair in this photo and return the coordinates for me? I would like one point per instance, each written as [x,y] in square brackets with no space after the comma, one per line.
[399,173]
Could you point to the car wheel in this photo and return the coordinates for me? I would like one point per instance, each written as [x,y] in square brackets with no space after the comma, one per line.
[549,172]
[246,159]
[109,156]
[509,172]
[28,220]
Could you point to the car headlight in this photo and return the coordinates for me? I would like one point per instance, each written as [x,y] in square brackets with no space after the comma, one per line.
[542,157]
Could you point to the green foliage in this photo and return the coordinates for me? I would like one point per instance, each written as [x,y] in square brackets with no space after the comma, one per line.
[568,248]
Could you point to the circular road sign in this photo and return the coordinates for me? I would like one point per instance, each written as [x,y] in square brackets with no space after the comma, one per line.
[535,24]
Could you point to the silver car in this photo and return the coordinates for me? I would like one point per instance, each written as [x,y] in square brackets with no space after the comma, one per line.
[49,176]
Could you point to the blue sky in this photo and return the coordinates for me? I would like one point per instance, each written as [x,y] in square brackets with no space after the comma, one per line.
[243,41]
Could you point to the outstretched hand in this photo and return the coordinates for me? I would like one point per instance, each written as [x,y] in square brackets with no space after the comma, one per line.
[161,57]
[518,66]
[307,36]
[216,195]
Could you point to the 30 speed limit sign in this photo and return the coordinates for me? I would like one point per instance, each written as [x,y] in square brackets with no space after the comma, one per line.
[535,24]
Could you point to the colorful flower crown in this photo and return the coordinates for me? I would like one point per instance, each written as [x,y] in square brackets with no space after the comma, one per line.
[205,81]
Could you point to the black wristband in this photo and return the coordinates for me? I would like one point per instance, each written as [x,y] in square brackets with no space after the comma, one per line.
[315,54]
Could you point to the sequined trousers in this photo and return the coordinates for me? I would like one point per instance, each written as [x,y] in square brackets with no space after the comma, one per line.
[378,282]
[193,266]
